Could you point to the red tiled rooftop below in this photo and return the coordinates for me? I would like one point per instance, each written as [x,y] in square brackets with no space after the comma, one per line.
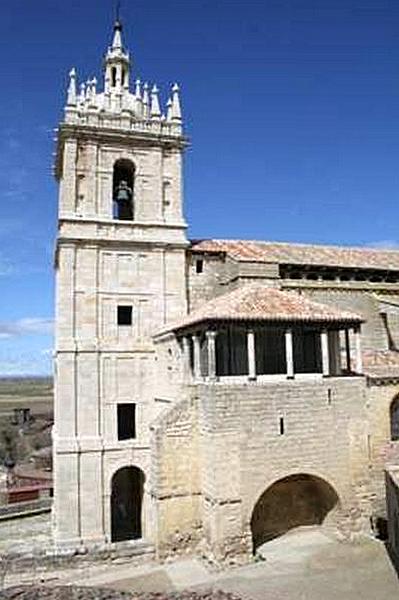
[301,254]
[260,303]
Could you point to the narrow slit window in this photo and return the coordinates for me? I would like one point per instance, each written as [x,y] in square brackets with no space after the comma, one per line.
[125,315]
[281,425]
[126,421]
[199,266]
[113,76]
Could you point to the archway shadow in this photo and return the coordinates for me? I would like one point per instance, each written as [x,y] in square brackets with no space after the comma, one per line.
[126,504]
[293,501]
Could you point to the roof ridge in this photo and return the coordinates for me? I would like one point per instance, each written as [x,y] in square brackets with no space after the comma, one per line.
[300,244]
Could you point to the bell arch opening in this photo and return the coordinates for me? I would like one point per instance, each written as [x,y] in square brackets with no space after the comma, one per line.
[291,502]
[127,489]
[394,419]
[123,189]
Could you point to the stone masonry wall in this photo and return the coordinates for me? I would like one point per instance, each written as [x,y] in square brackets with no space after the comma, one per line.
[208,477]
[175,477]
[381,450]
[243,452]
[220,274]
[362,302]
[392,495]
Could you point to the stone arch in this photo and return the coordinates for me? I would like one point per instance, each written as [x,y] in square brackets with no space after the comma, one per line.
[123,180]
[295,500]
[127,490]
[394,418]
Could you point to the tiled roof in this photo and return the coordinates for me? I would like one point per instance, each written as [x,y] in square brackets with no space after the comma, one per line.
[256,302]
[381,363]
[302,254]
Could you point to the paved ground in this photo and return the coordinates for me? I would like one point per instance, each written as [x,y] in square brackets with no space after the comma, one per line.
[303,565]
[24,535]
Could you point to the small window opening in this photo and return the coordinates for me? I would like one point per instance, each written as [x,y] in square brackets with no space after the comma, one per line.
[329,395]
[328,276]
[113,76]
[282,430]
[123,190]
[123,77]
[380,528]
[312,276]
[126,421]
[199,266]
[125,314]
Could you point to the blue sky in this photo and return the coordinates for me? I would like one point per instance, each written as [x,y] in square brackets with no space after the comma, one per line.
[292,107]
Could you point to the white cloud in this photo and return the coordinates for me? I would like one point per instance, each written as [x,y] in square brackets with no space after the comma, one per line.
[25,364]
[27,326]
[385,244]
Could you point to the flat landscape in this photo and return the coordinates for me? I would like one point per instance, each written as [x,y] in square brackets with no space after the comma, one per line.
[35,393]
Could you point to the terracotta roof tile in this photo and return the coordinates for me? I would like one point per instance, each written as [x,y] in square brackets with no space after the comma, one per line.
[254,302]
[302,254]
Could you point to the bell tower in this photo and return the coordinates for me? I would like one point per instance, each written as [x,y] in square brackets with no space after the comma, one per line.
[120,276]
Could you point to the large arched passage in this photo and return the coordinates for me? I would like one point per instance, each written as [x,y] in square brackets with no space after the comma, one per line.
[126,504]
[290,502]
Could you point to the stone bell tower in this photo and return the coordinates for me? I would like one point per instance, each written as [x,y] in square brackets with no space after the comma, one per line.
[120,275]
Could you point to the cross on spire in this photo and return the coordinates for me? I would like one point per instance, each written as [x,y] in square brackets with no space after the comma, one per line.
[118,10]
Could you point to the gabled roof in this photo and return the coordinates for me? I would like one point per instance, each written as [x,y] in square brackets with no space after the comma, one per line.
[254,302]
[301,254]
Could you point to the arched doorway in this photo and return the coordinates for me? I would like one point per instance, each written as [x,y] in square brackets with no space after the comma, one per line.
[290,502]
[126,504]
[394,419]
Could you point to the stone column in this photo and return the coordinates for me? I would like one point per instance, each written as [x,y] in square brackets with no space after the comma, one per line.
[358,356]
[186,359]
[211,347]
[325,356]
[289,354]
[251,354]
[197,357]
[347,351]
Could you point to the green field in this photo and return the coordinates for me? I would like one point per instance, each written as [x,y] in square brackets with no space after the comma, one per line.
[35,393]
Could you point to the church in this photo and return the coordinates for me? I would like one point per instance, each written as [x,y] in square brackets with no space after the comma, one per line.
[210,395]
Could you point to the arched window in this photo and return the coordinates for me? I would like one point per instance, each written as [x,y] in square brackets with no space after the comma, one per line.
[113,76]
[123,190]
[394,415]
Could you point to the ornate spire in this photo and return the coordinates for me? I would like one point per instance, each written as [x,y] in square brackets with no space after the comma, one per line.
[155,108]
[82,94]
[146,101]
[117,63]
[176,108]
[72,97]
[138,105]
[117,41]
[169,110]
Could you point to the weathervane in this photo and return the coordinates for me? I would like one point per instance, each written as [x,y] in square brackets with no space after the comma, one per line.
[117,10]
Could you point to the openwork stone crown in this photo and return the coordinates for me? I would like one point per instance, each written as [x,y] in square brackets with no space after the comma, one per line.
[116,106]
